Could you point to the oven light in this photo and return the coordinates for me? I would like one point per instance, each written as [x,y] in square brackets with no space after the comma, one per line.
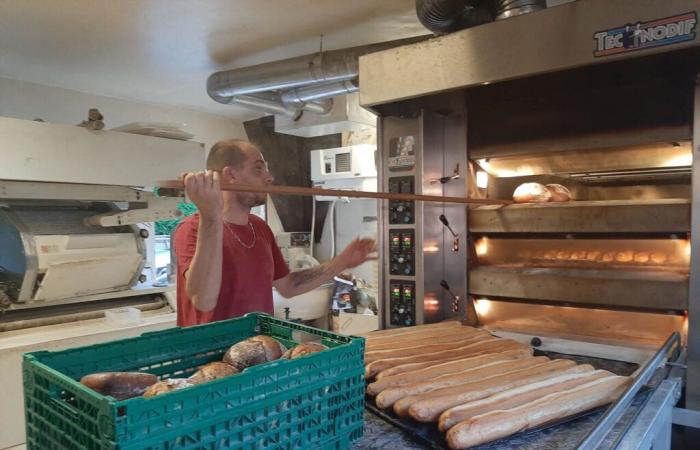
[482,246]
[687,249]
[431,249]
[484,164]
[482,307]
[482,179]
[431,303]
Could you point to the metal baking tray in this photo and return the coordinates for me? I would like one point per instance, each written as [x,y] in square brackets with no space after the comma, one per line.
[430,437]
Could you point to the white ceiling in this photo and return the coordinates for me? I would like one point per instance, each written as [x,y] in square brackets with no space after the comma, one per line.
[162,51]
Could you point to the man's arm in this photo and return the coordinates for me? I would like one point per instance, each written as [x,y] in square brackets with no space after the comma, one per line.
[297,283]
[203,278]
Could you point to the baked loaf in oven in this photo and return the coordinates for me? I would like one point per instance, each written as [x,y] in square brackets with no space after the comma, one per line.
[532,192]
[560,193]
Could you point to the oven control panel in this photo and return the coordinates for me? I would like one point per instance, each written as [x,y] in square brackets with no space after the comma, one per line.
[401,211]
[402,303]
[402,252]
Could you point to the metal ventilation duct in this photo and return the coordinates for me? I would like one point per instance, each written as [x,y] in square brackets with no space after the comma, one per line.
[446,16]
[290,86]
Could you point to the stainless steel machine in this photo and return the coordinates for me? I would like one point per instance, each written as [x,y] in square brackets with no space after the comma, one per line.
[567,96]
[73,244]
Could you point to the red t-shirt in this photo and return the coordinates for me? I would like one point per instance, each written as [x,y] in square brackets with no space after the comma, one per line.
[247,273]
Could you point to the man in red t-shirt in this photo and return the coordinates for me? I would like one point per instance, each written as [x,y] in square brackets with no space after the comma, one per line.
[227,259]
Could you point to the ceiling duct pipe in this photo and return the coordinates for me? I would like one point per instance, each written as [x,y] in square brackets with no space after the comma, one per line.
[304,83]
[306,94]
[271,102]
[447,16]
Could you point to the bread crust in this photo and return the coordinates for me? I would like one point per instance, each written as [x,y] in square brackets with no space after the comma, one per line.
[428,407]
[497,424]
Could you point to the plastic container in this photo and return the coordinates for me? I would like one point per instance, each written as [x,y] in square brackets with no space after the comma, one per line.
[316,401]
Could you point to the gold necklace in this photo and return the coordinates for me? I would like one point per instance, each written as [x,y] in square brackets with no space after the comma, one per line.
[248,246]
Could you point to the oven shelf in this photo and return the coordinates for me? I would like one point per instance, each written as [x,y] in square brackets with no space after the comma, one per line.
[616,288]
[608,216]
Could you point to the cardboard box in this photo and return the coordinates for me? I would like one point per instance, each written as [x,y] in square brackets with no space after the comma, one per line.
[351,323]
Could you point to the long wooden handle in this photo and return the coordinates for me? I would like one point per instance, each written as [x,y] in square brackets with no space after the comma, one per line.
[296,190]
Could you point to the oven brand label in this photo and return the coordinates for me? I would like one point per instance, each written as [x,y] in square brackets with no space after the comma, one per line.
[641,35]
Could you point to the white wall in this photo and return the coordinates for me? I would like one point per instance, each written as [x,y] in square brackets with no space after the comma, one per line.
[23,100]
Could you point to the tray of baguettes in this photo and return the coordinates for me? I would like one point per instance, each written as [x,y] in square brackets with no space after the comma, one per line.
[476,388]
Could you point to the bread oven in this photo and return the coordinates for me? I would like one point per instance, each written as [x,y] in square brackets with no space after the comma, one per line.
[614,271]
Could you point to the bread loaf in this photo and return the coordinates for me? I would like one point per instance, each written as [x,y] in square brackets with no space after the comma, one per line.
[120,385]
[304,349]
[532,192]
[517,396]
[165,386]
[498,424]
[252,351]
[390,396]
[475,349]
[658,258]
[418,349]
[428,407]
[559,193]
[443,368]
[212,371]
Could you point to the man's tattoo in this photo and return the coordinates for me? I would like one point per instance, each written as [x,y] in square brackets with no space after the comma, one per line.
[324,271]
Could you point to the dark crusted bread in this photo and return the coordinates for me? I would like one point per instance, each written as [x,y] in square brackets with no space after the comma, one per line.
[120,385]
[253,351]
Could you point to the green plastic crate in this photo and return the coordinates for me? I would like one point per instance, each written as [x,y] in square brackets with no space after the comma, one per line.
[310,402]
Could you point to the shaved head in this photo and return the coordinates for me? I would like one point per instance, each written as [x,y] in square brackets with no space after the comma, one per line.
[230,152]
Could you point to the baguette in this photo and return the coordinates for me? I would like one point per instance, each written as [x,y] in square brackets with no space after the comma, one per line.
[443,368]
[498,424]
[428,407]
[436,346]
[421,334]
[390,396]
[474,349]
[516,397]
[406,330]
[412,342]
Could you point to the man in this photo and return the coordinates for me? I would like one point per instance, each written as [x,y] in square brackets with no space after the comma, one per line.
[227,259]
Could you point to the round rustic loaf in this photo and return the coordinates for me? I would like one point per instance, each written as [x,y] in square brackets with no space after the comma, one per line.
[532,192]
[165,386]
[304,349]
[212,371]
[253,351]
[560,193]
[120,385]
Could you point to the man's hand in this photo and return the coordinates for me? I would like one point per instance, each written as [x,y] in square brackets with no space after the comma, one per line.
[204,190]
[357,252]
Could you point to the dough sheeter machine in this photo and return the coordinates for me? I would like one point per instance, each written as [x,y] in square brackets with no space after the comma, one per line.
[75,206]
